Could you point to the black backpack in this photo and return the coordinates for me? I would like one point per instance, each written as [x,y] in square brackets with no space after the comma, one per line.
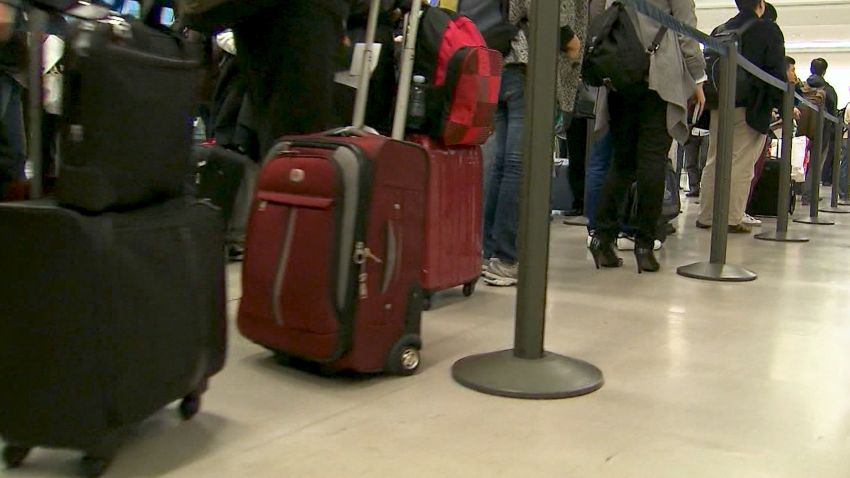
[491,18]
[614,54]
[712,66]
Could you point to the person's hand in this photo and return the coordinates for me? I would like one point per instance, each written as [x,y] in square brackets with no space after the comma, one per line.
[698,99]
[572,48]
[797,114]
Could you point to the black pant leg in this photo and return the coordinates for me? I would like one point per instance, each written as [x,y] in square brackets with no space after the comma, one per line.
[653,145]
[577,147]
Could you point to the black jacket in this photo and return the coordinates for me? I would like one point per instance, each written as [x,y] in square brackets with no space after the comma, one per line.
[764,45]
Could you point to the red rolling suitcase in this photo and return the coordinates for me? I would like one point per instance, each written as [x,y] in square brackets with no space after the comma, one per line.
[334,250]
[452,253]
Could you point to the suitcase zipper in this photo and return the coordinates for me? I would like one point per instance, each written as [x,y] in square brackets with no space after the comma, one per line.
[362,254]
[283,261]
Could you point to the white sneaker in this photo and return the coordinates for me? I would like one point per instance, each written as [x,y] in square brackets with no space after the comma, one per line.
[750,220]
[485,266]
[589,240]
[626,243]
[501,274]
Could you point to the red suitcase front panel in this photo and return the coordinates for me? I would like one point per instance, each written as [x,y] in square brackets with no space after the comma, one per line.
[287,302]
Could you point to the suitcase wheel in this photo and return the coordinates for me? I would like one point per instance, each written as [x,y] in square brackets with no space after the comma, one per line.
[469,288]
[404,358]
[94,466]
[14,456]
[190,405]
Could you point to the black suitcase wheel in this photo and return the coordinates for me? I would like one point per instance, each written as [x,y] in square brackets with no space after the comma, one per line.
[94,466]
[426,301]
[469,288]
[14,456]
[190,405]
[404,358]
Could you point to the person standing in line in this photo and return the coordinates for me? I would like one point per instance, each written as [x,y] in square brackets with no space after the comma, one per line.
[642,126]
[764,45]
[502,198]
[13,143]
[817,80]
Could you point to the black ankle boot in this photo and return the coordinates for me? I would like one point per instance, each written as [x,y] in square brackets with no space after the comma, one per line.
[603,252]
[645,257]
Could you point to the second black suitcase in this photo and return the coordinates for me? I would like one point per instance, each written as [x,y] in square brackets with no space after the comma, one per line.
[129,96]
[104,320]
[763,200]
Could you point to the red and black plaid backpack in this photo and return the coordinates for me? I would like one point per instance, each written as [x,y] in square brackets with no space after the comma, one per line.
[463,78]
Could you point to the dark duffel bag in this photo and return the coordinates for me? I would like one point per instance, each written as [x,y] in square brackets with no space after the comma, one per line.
[130,94]
[106,320]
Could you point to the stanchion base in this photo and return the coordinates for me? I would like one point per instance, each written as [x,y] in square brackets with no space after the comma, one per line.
[780,237]
[551,377]
[844,202]
[717,272]
[835,210]
[576,221]
[816,221]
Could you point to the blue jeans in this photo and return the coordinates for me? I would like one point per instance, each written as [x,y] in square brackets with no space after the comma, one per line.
[594,176]
[501,203]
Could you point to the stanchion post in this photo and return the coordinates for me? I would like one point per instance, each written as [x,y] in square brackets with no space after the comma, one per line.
[717,269]
[784,199]
[38,22]
[838,135]
[527,371]
[815,170]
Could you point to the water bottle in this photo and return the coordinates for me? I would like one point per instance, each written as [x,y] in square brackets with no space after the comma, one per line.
[416,109]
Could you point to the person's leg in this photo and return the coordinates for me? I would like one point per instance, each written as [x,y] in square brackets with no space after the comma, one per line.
[653,144]
[577,147]
[842,180]
[624,134]
[506,221]
[597,169]
[286,55]
[748,146]
[706,201]
[494,160]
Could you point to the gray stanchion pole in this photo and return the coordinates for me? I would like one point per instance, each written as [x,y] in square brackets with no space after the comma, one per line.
[815,170]
[527,370]
[845,145]
[836,171]
[784,200]
[717,269]
[38,22]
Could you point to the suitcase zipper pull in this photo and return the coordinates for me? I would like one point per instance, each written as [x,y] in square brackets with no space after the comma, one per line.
[362,254]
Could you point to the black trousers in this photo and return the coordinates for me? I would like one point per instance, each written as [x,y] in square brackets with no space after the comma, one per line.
[577,147]
[286,54]
[641,144]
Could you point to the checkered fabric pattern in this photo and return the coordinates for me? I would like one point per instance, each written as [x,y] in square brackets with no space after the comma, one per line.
[473,86]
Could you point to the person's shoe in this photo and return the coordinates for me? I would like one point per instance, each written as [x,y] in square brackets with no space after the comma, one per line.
[740,229]
[501,274]
[702,225]
[603,253]
[575,212]
[589,240]
[751,221]
[485,266]
[692,194]
[646,261]
[626,243]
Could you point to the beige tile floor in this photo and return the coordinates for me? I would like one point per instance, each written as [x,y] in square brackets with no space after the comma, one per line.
[702,380]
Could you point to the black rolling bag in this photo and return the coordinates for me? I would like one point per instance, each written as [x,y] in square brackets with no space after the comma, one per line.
[105,320]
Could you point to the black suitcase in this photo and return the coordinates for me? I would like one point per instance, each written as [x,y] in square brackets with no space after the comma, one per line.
[763,201]
[130,92]
[104,320]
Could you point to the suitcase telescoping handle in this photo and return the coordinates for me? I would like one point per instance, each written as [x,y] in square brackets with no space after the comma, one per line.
[405,77]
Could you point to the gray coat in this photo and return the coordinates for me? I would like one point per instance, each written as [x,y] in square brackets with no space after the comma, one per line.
[674,68]
[572,13]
